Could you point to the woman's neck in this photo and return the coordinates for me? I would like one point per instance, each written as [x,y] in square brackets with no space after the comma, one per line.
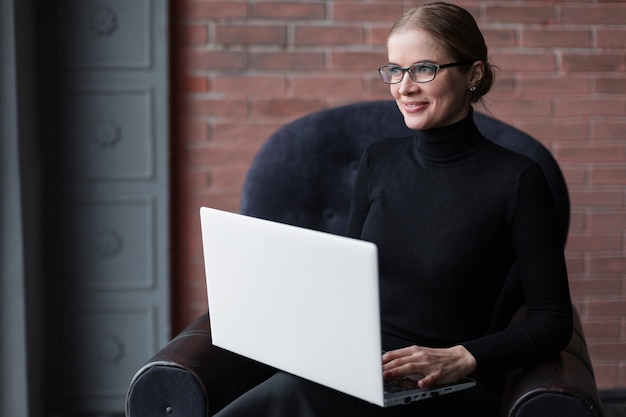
[448,142]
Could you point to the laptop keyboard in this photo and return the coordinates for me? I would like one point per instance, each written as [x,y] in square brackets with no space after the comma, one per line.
[400,384]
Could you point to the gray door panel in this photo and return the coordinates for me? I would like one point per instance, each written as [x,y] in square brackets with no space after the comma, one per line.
[112,303]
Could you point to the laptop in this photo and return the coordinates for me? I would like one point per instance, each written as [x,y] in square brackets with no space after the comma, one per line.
[302,301]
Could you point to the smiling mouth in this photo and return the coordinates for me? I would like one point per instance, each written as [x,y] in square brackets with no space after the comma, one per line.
[415,106]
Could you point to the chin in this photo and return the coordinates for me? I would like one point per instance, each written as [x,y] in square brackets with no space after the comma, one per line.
[416,123]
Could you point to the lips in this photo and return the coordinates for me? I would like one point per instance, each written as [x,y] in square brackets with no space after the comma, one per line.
[414,106]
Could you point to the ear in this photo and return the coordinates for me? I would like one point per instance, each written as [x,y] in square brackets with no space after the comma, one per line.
[476,74]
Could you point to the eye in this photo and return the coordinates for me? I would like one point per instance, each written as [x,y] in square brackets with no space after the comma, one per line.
[394,70]
[423,69]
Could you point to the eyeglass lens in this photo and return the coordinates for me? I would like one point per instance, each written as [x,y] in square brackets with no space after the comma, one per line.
[420,73]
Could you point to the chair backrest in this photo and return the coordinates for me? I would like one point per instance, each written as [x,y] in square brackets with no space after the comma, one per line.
[303,174]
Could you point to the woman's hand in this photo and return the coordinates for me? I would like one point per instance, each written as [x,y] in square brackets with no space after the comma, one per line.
[439,366]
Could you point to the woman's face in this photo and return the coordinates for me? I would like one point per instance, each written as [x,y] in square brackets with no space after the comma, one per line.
[440,102]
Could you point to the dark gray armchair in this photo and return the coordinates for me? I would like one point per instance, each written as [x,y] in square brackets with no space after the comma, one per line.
[303,176]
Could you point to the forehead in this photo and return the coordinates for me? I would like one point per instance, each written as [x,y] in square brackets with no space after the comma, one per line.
[412,45]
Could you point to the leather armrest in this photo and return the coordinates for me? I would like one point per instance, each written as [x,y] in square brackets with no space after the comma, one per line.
[190,377]
[562,386]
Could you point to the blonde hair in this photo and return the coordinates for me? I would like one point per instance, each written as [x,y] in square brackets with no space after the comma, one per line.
[457,31]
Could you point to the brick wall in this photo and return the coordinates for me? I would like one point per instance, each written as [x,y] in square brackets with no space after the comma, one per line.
[240,69]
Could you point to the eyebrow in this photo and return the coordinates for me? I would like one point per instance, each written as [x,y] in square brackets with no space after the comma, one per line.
[415,63]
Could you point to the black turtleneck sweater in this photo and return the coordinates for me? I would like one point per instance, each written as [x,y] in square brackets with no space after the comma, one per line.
[450,213]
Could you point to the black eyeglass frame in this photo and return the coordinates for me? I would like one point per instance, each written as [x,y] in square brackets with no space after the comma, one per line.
[422,64]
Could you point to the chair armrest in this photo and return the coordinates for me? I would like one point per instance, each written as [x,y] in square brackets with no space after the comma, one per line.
[190,377]
[563,386]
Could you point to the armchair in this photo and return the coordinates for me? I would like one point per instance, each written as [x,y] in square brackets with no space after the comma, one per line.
[303,175]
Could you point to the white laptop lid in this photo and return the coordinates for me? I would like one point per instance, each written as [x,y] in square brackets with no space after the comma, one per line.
[299,300]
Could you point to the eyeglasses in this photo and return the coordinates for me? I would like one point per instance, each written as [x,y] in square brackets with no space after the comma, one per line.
[420,73]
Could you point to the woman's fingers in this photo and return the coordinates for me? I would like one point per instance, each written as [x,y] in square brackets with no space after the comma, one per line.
[439,366]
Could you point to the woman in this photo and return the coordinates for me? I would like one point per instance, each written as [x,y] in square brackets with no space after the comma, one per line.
[451,213]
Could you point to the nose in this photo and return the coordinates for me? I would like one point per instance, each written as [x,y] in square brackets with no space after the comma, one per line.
[407,86]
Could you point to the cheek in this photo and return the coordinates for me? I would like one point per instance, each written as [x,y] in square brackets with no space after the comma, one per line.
[394,90]
[438,91]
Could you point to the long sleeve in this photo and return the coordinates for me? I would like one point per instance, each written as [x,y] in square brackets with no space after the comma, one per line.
[537,243]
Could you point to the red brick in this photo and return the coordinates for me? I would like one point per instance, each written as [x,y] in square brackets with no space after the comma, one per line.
[621,382]
[219,155]
[500,37]
[605,14]
[377,35]
[594,242]
[351,85]
[281,108]
[289,10]
[374,86]
[610,130]
[218,108]
[575,265]
[504,84]
[250,35]
[196,179]
[590,107]
[224,200]
[203,60]
[250,85]
[359,12]
[518,62]
[605,373]
[593,62]
[582,288]
[551,38]
[519,13]
[611,220]
[583,152]
[601,198]
[228,177]
[321,35]
[609,264]
[364,61]
[522,107]
[374,94]
[610,38]
[556,130]
[607,308]
[608,351]
[611,85]
[608,175]
[554,84]
[601,330]
[288,61]
[212,9]
[578,220]
[574,175]
[247,136]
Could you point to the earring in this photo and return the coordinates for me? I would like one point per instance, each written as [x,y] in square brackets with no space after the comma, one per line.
[472,88]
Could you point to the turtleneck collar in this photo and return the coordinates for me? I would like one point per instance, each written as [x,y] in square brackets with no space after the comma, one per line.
[448,143]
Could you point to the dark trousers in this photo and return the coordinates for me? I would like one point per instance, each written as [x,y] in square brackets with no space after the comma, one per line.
[285,395]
